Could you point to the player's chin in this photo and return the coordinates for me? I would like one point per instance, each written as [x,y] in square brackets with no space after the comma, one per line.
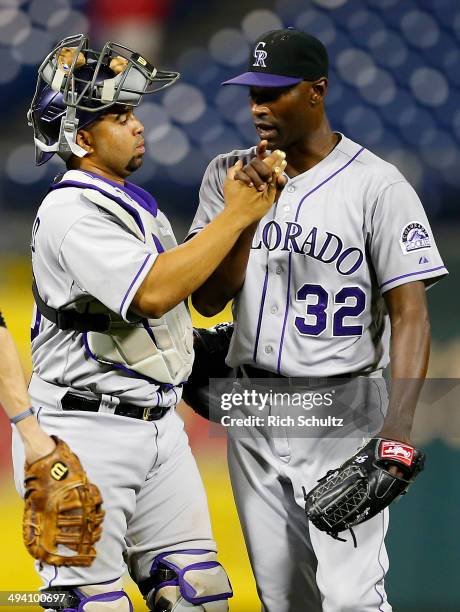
[273,142]
[135,162]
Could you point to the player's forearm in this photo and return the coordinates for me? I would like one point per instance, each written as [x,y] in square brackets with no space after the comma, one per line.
[262,174]
[409,353]
[228,278]
[177,273]
[13,391]
[15,400]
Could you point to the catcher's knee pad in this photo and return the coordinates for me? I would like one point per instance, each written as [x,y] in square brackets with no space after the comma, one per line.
[108,597]
[187,580]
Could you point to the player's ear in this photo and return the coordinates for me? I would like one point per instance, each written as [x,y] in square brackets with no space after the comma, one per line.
[318,91]
[85,140]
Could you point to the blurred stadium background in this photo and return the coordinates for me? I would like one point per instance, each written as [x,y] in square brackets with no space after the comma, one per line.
[394,87]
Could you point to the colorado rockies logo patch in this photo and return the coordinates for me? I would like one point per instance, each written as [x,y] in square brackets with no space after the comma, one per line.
[414,237]
[260,55]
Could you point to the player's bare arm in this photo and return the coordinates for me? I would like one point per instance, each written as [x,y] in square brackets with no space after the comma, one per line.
[15,399]
[177,273]
[409,354]
[212,296]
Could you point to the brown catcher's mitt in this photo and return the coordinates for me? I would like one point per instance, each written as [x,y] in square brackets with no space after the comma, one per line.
[62,509]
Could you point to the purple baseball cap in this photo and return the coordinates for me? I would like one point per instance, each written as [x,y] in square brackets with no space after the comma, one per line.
[280,58]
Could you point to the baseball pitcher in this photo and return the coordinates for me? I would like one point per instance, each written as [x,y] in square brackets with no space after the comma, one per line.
[338,264]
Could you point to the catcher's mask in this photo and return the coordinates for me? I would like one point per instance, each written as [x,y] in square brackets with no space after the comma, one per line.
[76,85]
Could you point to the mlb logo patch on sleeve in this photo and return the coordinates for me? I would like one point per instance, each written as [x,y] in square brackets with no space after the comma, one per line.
[398,451]
[414,237]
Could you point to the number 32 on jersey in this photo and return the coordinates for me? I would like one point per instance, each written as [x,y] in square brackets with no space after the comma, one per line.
[319,316]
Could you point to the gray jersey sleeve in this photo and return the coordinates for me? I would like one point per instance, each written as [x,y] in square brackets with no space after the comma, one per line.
[105,260]
[211,190]
[402,245]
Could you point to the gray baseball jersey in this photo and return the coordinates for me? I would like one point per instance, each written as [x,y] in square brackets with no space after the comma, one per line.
[80,251]
[340,235]
[153,495]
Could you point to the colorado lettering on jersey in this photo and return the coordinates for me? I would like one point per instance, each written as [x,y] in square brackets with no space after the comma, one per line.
[325,247]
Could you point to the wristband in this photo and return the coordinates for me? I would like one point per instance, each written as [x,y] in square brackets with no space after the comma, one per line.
[22,415]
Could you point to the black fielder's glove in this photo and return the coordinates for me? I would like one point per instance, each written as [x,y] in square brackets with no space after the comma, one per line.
[362,487]
[211,348]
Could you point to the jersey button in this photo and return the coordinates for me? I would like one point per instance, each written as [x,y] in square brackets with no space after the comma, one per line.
[286,208]
[291,189]
[268,349]
[279,269]
[274,309]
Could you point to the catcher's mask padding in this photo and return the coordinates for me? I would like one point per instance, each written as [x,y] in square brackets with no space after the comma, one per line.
[87,82]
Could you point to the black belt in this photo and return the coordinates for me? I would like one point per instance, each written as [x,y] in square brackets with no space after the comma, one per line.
[77,402]
[250,372]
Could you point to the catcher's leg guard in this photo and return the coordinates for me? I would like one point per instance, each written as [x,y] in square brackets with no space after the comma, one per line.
[187,580]
[109,597]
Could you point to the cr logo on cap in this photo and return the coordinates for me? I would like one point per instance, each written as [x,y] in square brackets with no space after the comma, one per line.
[260,55]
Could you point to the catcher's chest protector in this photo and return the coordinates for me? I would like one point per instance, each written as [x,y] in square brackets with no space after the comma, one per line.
[161,349]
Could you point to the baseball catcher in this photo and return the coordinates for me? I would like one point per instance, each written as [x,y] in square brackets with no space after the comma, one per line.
[331,284]
[112,344]
[363,486]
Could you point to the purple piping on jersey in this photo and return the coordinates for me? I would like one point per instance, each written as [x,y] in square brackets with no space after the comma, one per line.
[261,310]
[130,209]
[412,274]
[35,329]
[141,196]
[380,563]
[334,174]
[149,331]
[53,578]
[350,161]
[158,244]
[134,280]
[108,581]
[278,365]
